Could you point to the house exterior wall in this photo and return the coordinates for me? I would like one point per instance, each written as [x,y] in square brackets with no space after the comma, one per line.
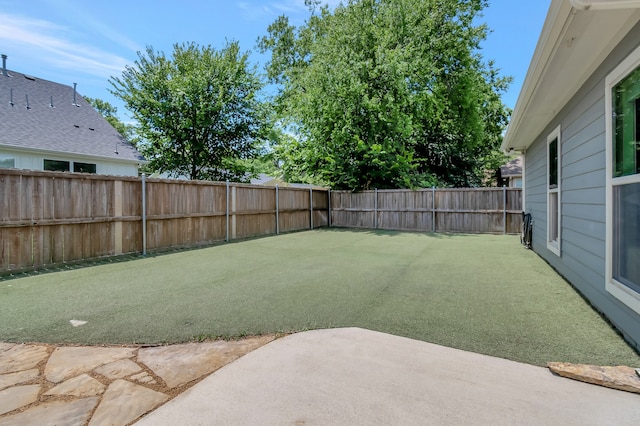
[583,193]
[35,161]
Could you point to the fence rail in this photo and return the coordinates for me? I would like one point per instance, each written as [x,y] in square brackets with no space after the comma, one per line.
[477,210]
[49,218]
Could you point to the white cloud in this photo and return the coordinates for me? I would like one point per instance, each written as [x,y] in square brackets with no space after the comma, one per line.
[53,45]
[292,8]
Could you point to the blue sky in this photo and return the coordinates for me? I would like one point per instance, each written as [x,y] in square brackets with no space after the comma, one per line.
[86,42]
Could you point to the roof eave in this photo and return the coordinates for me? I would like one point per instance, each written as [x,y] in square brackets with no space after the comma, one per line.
[74,154]
[570,40]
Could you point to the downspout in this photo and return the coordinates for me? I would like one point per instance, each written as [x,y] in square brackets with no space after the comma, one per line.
[604,4]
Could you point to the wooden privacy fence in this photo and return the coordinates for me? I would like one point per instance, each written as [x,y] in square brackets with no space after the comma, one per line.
[475,210]
[50,218]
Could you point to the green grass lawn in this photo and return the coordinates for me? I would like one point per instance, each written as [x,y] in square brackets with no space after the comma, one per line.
[481,293]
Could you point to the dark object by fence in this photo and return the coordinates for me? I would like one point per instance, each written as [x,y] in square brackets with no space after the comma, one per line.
[527,229]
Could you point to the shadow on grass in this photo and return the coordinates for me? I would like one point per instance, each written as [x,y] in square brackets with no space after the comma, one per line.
[395,233]
[128,257]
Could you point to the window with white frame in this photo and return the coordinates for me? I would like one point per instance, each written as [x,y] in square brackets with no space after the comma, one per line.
[623,181]
[553,191]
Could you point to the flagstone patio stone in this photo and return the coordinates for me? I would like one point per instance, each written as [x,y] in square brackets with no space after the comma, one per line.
[16,397]
[144,378]
[118,369]
[180,364]
[80,386]
[68,362]
[124,402]
[6,346]
[22,357]
[60,413]
[11,379]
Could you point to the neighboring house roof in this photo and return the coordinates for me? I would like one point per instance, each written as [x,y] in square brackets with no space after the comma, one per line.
[266,180]
[51,122]
[263,179]
[512,169]
[572,45]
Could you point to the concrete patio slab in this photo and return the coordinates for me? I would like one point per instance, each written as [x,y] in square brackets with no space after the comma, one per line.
[354,376]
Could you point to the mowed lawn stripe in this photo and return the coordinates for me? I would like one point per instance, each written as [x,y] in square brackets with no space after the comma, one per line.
[483,293]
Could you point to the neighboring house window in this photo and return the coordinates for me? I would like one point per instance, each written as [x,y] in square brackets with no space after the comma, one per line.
[553,191]
[623,181]
[516,182]
[7,163]
[56,166]
[84,167]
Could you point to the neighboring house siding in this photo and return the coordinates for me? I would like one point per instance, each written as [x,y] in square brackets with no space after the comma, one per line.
[583,193]
[35,161]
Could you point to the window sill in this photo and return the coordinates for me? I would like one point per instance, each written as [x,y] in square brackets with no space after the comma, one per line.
[624,294]
[554,248]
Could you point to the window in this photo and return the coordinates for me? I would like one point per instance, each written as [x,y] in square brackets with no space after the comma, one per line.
[84,167]
[623,181]
[56,166]
[553,191]
[7,163]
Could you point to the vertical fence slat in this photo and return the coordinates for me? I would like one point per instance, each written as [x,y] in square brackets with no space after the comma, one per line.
[227,212]
[375,209]
[433,209]
[504,209]
[277,213]
[144,215]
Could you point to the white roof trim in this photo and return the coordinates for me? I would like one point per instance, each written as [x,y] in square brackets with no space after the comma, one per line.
[606,4]
[19,149]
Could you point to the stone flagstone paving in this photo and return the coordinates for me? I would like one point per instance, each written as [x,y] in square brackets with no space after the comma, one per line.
[95,386]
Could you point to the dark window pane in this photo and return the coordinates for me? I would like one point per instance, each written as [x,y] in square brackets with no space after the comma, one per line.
[84,167]
[553,163]
[7,163]
[626,235]
[56,166]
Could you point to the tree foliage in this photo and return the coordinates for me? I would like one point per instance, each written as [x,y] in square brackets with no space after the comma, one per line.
[198,110]
[387,93]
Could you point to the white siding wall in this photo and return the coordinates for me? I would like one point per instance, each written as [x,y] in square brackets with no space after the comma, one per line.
[582,259]
[35,161]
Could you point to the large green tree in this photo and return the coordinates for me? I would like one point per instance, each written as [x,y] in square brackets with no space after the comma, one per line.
[198,111]
[387,93]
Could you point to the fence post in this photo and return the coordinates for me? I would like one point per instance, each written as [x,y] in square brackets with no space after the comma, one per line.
[311,205]
[433,209]
[117,211]
[144,215]
[504,208]
[227,212]
[277,214]
[329,208]
[375,208]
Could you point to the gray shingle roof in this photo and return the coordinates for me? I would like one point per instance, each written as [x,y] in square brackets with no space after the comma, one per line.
[512,168]
[63,128]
